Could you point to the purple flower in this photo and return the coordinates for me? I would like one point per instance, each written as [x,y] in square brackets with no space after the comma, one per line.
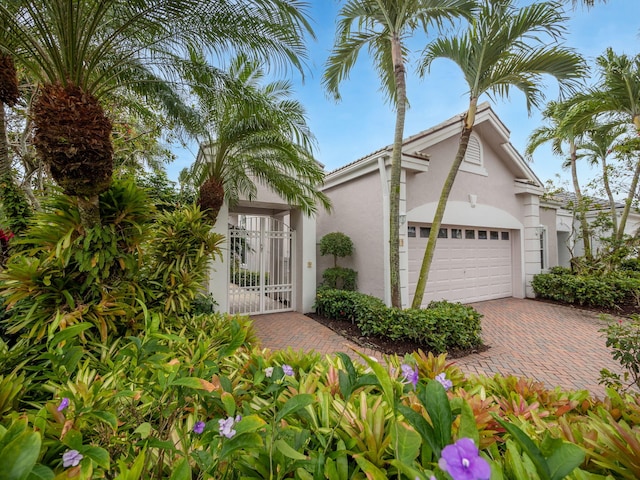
[268,372]
[287,370]
[463,462]
[444,381]
[410,374]
[199,427]
[226,426]
[71,458]
[64,403]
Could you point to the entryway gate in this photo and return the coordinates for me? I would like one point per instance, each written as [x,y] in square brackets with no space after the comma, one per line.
[260,266]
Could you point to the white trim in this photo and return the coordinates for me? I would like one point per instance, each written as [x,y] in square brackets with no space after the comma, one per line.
[462,213]
[386,235]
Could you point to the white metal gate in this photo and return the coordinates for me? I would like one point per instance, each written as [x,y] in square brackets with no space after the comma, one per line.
[260,267]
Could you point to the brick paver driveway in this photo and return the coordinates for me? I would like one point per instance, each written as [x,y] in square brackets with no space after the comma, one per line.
[556,345]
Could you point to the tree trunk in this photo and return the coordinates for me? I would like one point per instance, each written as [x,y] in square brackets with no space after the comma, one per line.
[427,260]
[581,208]
[5,162]
[396,163]
[89,209]
[612,202]
[628,202]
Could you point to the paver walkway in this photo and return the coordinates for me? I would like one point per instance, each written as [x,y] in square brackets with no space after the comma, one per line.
[556,345]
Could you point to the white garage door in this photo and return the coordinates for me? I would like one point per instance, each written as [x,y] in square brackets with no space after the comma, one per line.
[470,264]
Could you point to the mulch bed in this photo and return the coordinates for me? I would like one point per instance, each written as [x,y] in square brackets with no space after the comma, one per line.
[352,333]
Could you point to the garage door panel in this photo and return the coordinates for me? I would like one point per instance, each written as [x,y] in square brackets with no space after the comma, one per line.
[465,270]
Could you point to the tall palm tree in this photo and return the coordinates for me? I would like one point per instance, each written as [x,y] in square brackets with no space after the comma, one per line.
[256,133]
[558,133]
[80,50]
[383,26]
[617,97]
[600,143]
[505,47]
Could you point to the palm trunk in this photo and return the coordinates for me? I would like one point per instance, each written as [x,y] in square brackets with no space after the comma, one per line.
[5,162]
[581,210]
[89,209]
[396,163]
[628,202]
[612,202]
[427,260]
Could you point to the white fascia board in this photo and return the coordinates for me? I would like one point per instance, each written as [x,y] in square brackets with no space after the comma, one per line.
[369,165]
[521,187]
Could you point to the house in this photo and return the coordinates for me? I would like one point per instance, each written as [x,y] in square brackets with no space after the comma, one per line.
[498,230]
[560,205]
[494,235]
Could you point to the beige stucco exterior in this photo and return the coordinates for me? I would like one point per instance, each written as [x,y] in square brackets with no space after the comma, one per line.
[494,190]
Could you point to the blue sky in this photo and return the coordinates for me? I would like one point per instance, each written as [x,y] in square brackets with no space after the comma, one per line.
[362,122]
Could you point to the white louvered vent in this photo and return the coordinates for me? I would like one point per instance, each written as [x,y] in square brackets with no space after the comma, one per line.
[474,154]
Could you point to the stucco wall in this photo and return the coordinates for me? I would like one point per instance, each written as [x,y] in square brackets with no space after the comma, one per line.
[494,189]
[357,212]
[548,219]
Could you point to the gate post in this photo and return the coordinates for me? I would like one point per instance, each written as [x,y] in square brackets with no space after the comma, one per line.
[219,269]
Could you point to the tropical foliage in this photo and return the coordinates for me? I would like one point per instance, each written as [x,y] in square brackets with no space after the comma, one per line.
[81,52]
[256,134]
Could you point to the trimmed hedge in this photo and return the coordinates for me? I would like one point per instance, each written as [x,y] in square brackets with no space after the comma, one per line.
[606,291]
[440,327]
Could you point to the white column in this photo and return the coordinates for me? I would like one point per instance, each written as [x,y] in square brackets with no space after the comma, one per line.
[531,241]
[384,184]
[304,274]
[219,269]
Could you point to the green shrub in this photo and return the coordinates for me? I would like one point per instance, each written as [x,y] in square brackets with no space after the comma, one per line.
[337,244]
[623,338]
[605,291]
[440,327]
[339,278]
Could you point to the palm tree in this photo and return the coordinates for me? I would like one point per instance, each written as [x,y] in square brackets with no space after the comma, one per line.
[504,47]
[383,26]
[81,50]
[256,134]
[617,97]
[600,143]
[558,133]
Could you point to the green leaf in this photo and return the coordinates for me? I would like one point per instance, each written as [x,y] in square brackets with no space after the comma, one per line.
[40,472]
[244,441]
[422,427]
[190,382]
[106,417]
[383,378]
[249,423]
[406,442]
[288,451]
[371,471]
[98,455]
[294,404]
[303,474]
[144,430]
[70,332]
[434,398]
[528,446]
[229,403]
[468,426]
[20,455]
[409,471]
[564,460]
[181,470]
